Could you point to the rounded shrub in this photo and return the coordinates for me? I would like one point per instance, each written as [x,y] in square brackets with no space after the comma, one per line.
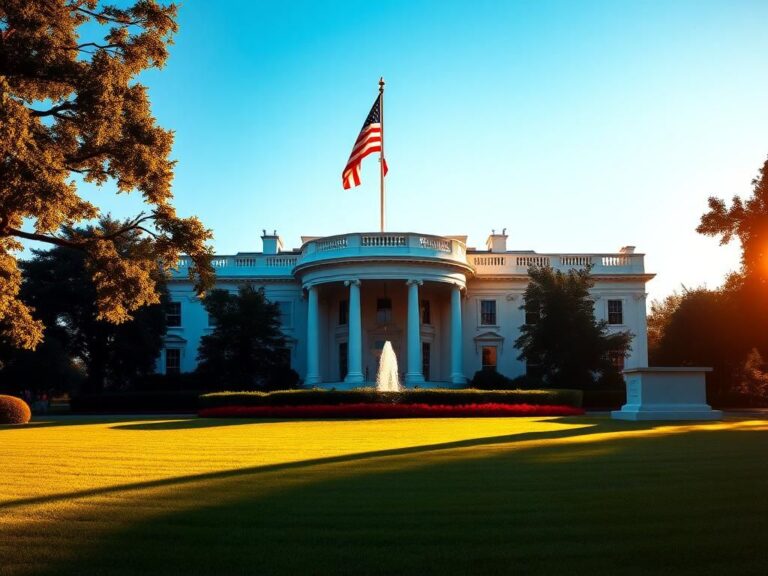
[14,410]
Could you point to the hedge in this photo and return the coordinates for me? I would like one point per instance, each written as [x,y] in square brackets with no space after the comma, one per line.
[367,410]
[443,397]
[133,402]
[14,410]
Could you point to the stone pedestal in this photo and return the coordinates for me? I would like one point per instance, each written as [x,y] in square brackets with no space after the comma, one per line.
[659,393]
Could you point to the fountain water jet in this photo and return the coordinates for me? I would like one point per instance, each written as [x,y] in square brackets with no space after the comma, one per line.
[387,378]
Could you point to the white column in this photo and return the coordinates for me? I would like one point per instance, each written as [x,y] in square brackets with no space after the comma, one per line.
[413,375]
[457,370]
[355,342]
[313,338]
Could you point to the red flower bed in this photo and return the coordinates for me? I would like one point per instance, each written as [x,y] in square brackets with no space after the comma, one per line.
[389,411]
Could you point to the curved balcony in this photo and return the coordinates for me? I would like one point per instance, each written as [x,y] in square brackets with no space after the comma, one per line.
[377,245]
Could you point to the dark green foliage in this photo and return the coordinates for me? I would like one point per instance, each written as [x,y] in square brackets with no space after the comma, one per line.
[80,351]
[371,396]
[246,349]
[490,379]
[569,346]
[135,402]
[607,399]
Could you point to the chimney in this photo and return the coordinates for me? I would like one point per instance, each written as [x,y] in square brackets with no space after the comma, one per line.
[497,242]
[271,243]
[627,250]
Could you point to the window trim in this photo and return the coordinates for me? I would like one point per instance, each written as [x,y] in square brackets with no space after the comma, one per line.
[169,314]
[608,311]
[165,360]
[495,312]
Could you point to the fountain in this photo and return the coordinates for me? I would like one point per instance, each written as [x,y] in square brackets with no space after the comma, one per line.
[386,378]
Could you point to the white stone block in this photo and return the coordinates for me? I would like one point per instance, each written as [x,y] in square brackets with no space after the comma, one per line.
[662,393]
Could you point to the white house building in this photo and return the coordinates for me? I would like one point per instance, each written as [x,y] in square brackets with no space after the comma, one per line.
[448,310]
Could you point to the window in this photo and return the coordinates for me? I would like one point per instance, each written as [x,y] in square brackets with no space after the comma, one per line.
[383,311]
[173,314]
[343,359]
[426,313]
[286,316]
[489,357]
[615,312]
[617,359]
[488,312]
[172,360]
[426,349]
[343,312]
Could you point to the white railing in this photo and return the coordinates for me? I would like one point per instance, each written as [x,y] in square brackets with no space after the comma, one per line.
[332,244]
[613,261]
[383,240]
[576,260]
[281,261]
[440,244]
[527,261]
[219,262]
[489,260]
[242,262]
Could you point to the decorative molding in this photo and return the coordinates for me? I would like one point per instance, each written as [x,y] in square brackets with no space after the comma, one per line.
[354,281]
[414,281]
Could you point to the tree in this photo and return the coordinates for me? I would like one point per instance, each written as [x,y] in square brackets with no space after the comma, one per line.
[246,349]
[70,107]
[753,378]
[747,221]
[566,342]
[58,285]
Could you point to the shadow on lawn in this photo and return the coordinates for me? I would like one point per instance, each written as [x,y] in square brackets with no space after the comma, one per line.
[189,423]
[641,505]
[181,481]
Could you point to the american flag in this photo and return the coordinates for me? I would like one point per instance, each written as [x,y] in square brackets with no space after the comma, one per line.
[367,142]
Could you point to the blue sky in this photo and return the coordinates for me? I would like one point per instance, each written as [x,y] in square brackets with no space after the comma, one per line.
[578,126]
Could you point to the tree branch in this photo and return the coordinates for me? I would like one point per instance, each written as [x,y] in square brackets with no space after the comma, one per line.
[43,238]
[53,111]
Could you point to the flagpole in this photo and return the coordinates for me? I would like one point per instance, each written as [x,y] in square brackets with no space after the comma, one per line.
[381,156]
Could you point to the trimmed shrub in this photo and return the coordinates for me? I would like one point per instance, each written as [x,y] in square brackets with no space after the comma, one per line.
[604,399]
[136,402]
[490,379]
[14,410]
[389,411]
[444,397]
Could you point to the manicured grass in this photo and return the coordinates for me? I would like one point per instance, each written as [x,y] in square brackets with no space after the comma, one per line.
[415,496]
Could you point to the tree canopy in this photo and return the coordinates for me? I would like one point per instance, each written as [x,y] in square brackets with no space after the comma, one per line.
[57,284]
[246,349]
[746,220]
[567,344]
[73,112]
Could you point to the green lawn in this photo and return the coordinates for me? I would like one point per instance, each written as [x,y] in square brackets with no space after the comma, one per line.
[520,496]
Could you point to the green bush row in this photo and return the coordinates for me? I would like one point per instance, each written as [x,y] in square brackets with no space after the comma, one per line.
[132,402]
[371,396]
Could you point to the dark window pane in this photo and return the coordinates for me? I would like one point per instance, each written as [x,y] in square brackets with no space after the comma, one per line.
[383,310]
[343,312]
[172,361]
[488,312]
[426,313]
[173,314]
[489,357]
[615,312]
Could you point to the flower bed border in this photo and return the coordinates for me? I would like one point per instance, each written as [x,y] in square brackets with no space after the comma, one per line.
[381,410]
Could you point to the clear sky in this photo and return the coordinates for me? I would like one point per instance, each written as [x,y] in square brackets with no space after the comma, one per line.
[578,126]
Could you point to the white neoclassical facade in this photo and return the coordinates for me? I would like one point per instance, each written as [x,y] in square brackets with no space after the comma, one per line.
[448,310]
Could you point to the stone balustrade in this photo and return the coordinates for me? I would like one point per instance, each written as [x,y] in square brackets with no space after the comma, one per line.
[359,246]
